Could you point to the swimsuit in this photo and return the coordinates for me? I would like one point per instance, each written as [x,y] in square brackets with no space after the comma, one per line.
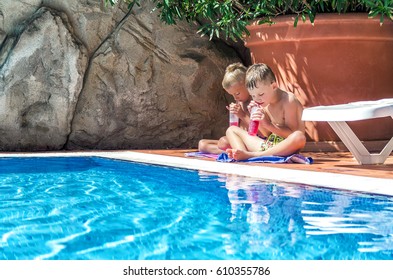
[270,141]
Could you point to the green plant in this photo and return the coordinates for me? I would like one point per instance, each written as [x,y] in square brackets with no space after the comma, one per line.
[230,17]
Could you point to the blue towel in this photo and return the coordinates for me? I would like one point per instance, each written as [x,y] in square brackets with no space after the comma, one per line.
[295,158]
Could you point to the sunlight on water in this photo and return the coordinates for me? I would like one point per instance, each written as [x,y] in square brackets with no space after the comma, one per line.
[93,208]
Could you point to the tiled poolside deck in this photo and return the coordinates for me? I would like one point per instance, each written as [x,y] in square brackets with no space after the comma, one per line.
[333,162]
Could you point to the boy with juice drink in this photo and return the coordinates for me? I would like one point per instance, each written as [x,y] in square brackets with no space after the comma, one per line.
[278,113]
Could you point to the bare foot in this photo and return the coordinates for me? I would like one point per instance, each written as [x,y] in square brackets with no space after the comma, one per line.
[238,154]
[229,152]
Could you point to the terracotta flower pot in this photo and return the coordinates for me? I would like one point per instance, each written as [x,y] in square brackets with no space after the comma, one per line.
[342,58]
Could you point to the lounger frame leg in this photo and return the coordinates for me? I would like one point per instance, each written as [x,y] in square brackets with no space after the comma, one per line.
[356,147]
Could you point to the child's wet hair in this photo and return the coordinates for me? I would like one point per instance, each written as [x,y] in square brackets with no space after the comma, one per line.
[259,72]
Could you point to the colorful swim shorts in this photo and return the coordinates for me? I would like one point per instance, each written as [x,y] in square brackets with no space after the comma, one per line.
[271,141]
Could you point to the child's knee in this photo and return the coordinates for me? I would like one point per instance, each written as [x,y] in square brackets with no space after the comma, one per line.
[202,144]
[299,139]
[223,143]
[232,130]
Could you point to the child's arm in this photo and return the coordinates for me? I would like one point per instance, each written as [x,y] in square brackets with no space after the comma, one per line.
[243,116]
[293,116]
[236,108]
[261,116]
[263,129]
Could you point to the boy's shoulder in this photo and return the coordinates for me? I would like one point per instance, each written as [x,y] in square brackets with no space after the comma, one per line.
[289,97]
[291,100]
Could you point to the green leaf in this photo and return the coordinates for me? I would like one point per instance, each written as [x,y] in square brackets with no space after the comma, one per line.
[296,21]
[230,17]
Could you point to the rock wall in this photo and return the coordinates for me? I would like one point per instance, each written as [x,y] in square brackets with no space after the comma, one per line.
[78,75]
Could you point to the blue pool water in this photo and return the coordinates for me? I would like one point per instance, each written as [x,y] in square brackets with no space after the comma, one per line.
[95,208]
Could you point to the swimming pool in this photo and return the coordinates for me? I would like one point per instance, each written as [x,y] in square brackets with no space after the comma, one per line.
[96,208]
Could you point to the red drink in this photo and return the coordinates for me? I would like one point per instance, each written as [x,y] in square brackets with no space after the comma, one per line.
[253,128]
[233,119]
[254,124]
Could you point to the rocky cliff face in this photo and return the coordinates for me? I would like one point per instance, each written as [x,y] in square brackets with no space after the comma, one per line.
[77,75]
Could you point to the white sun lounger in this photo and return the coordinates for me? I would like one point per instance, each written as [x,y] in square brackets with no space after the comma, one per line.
[338,115]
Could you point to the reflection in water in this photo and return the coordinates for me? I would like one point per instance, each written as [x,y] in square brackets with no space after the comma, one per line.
[271,213]
[289,221]
[350,214]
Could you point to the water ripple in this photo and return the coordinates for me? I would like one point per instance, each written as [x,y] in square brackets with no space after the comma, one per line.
[57,245]
[108,209]
[132,238]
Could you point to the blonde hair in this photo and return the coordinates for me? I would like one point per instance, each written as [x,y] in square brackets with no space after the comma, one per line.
[234,73]
[259,72]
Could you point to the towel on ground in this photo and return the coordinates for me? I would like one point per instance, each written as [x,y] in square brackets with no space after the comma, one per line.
[295,158]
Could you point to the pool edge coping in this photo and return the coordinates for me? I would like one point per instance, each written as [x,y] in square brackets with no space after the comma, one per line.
[314,178]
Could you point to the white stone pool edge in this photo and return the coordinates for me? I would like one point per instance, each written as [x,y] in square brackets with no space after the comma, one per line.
[320,179]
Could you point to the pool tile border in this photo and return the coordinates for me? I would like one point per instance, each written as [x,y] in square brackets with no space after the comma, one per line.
[320,179]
